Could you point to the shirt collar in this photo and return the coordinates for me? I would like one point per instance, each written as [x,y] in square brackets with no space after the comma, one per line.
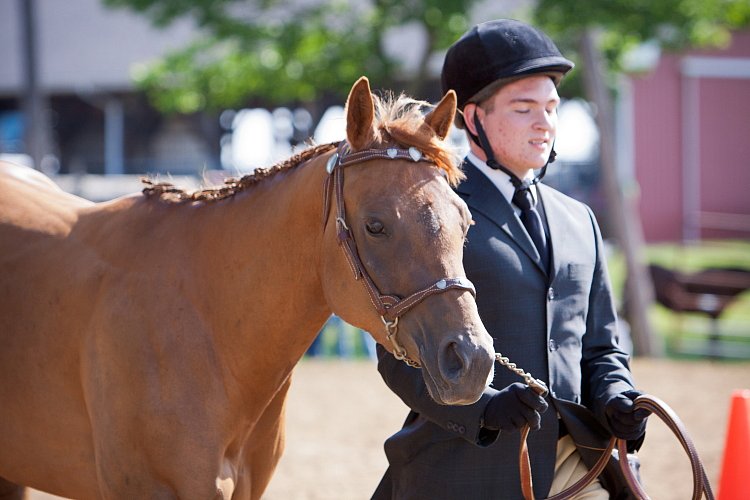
[500,179]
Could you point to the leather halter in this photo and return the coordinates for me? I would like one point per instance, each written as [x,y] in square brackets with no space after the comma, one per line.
[389,307]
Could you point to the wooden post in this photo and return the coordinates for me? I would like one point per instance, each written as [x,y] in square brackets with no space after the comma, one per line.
[35,135]
[623,217]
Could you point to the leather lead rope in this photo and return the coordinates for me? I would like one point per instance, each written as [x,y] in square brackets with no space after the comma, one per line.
[652,404]
[701,485]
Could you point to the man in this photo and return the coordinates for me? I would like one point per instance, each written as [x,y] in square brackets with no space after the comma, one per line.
[543,292]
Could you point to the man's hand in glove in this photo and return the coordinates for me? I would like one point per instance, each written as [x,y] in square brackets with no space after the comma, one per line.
[625,421]
[514,406]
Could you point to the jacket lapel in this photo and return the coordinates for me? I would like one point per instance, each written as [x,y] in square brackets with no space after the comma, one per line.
[482,196]
[556,225]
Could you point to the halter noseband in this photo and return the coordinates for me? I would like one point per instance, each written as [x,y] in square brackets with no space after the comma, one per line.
[389,307]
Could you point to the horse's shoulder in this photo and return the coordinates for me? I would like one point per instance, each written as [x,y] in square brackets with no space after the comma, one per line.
[26,175]
[28,198]
[33,184]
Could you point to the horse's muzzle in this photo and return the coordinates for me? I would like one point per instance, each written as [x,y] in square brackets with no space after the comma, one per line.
[465,365]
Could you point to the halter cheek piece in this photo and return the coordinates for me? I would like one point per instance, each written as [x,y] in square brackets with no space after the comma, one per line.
[389,307]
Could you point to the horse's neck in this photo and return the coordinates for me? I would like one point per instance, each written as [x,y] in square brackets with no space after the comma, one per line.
[267,271]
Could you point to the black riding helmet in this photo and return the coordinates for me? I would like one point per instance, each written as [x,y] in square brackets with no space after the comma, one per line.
[496,52]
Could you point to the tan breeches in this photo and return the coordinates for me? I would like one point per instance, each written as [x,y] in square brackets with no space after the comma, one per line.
[569,468]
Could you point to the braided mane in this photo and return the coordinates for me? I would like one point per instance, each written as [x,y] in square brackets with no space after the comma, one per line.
[231,186]
[398,120]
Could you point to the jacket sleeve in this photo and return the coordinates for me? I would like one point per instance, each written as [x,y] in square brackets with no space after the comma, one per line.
[407,383]
[605,366]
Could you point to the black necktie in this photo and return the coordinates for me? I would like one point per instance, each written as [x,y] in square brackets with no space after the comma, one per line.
[532,221]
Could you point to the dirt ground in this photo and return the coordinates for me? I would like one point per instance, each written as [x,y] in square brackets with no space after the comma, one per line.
[340,412]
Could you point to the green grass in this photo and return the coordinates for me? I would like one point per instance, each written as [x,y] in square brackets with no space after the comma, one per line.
[686,333]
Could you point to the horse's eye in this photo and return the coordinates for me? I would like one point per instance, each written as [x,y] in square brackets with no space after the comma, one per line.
[375,227]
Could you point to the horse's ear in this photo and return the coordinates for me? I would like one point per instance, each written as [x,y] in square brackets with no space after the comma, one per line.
[360,112]
[441,118]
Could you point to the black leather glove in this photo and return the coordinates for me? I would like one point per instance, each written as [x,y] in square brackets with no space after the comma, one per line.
[625,422]
[514,406]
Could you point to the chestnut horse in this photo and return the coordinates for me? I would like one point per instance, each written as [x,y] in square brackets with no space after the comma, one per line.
[147,343]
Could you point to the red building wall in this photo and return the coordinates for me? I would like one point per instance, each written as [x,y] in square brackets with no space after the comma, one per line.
[697,124]
[725,145]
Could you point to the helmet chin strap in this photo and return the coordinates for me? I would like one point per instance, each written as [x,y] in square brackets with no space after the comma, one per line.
[484,143]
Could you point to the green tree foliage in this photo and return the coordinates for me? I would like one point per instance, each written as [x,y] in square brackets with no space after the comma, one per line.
[281,51]
[674,23]
[625,24]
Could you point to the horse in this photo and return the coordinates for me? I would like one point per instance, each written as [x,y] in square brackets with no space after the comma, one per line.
[147,343]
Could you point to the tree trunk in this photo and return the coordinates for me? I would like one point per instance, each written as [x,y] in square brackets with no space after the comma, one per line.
[622,212]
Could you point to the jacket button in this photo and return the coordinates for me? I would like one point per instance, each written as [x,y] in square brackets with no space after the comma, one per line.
[551,293]
[553,345]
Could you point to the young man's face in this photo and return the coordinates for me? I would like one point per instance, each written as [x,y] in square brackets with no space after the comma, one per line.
[520,121]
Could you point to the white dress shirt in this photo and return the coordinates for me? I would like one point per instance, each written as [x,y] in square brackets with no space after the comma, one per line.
[501,180]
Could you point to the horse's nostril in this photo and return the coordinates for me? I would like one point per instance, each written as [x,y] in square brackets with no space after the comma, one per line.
[452,363]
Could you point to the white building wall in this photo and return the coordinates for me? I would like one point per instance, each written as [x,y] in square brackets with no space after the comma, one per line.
[83,46]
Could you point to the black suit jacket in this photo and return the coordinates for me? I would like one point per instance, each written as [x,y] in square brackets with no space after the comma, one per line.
[560,327]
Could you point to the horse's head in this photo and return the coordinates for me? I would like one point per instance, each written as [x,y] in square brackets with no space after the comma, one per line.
[401,227]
